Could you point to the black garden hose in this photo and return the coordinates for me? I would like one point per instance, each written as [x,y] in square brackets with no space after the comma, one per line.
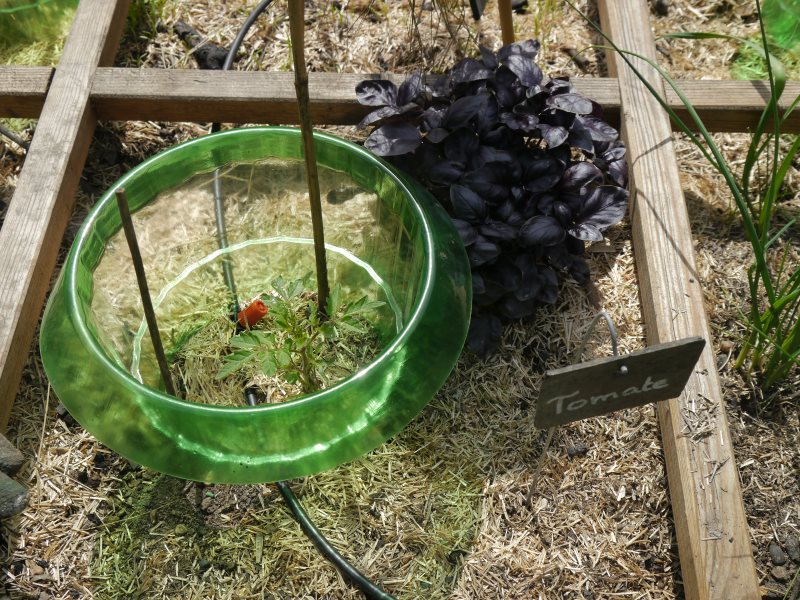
[348,571]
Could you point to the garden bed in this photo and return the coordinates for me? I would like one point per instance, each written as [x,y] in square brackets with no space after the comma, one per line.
[437,512]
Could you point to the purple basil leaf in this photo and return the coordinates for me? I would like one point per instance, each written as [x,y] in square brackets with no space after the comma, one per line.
[561,154]
[528,71]
[485,331]
[559,85]
[611,151]
[542,183]
[376,92]
[580,175]
[599,130]
[553,136]
[605,207]
[541,230]
[468,70]
[393,139]
[490,154]
[410,89]
[491,291]
[482,251]
[498,230]
[556,117]
[488,58]
[574,245]
[463,110]
[545,203]
[376,116]
[466,232]
[501,136]
[618,171]
[507,88]
[563,213]
[486,120]
[580,138]
[548,292]
[467,205]
[432,118]
[559,256]
[446,172]
[513,308]
[441,86]
[572,103]
[527,48]
[579,270]
[483,182]
[436,136]
[520,121]
[478,286]
[530,281]
[504,274]
[461,145]
[504,210]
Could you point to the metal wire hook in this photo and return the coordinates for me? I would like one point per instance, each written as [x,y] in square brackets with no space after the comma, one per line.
[623,370]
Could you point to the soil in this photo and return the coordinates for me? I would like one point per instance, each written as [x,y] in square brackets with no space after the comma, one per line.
[439,511]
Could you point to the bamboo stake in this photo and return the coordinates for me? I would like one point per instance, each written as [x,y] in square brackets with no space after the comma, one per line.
[506,21]
[297,32]
[144,290]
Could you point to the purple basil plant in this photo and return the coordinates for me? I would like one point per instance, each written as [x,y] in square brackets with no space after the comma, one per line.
[524,165]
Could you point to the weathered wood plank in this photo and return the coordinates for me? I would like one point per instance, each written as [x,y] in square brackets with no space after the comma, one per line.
[240,97]
[246,97]
[711,528]
[266,97]
[22,90]
[41,206]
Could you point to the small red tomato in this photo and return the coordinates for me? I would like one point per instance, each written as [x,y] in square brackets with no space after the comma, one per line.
[252,313]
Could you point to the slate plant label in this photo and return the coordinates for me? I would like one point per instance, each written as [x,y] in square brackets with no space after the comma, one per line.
[601,386]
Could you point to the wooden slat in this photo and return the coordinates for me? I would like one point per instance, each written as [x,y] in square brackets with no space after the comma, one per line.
[264,97]
[711,528]
[41,206]
[249,97]
[239,97]
[22,90]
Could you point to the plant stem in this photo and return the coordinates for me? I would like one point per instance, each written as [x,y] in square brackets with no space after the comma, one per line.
[297,29]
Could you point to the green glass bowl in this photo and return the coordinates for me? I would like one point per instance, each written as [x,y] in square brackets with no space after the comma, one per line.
[413,250]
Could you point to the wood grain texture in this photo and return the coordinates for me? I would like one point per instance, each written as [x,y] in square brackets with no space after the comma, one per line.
[268,97]
[41,206]
[711,528]
[22,90]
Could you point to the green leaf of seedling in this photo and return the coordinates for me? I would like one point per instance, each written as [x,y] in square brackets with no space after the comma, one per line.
[247,339]
[335,299]
[329,331]
[352,325]
[279,285]
[268,365]
[282,358]
[296,288]
[363,305]
[313,314]
[292,376]
[234,362]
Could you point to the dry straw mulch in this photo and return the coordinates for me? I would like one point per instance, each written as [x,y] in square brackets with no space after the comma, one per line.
[438,511]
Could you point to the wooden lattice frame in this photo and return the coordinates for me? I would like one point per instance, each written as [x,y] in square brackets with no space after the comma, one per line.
[713,540]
